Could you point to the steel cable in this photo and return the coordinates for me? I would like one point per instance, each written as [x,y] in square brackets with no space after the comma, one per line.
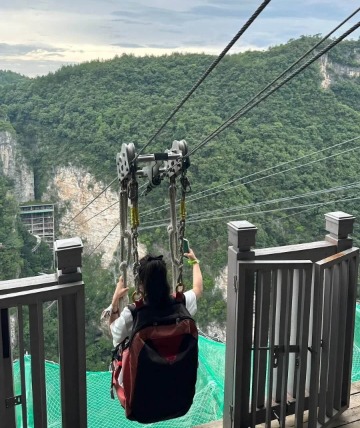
[207,72]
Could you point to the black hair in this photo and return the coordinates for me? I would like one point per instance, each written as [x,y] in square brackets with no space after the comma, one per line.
[153,276]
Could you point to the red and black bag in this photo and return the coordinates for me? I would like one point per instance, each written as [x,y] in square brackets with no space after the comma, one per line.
[159,363]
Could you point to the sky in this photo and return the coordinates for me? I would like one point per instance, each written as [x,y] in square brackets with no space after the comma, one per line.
[39,36]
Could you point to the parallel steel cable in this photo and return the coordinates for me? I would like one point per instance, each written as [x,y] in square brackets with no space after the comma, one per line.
[191,221]
[104,239]
[245,110]
[279,200]
[194,198]
[267,202]
[207,72]
[252,181]
[298,61]
[287,170]
[253,102]
[100,212]
[93,200]
[280,209]
[237,115]
[315,205]
[105,209]
[242,111]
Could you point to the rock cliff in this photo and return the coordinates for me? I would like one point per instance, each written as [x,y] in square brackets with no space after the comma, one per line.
[74,188]
[13,165]
[331,71]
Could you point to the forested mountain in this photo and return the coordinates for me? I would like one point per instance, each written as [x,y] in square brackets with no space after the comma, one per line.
[9,77]
[82,114]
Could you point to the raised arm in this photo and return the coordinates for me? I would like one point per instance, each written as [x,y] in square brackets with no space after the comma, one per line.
[197,276]
[119,293]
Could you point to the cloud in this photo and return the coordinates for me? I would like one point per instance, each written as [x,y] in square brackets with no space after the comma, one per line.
[15,50]
[128,45]
[9,50]
[165,45]
[208,11]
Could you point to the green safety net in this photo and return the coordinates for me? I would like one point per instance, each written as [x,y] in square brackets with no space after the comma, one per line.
[103,412]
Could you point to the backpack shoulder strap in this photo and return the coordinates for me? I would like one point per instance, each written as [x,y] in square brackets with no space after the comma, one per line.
[178,298]
[133,309]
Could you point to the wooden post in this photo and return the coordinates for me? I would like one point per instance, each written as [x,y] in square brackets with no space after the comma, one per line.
[239,321]
[7,399]
[340,226]
[72,335]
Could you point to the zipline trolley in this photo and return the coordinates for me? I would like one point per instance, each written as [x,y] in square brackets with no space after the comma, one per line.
[171,164]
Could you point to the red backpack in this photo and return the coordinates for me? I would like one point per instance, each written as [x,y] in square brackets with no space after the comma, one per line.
[159,362]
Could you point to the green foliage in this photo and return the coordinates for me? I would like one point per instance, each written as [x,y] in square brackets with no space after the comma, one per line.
[16,256]
[99,287]
[10,241]
[6,126]
[82,114]
[9,77]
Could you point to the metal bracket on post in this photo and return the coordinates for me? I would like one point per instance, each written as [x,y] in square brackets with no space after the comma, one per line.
[279,350]
[68,255]
[12,401]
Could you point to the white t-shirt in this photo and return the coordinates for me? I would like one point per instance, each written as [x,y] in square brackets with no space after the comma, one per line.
[121,328]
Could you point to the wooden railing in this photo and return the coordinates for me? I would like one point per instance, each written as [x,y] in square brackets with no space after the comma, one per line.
[67,289]
[290,327]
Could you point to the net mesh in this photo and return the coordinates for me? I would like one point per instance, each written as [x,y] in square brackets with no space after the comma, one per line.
[104,412]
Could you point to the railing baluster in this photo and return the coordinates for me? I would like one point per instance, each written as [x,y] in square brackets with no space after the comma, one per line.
[296,325]
[260,342]
[339,372]
[6,371]
[325,354]
[289,274]
[233,307]
[264,334]
[280,329]
[302,340]
[274,283]
[72,364]
[333,344]
[247,282]
[38,364]
[20,317]
[315,345]
[350,325]
[255,371]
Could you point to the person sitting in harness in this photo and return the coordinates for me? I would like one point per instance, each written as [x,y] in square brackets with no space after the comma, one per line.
[156,372]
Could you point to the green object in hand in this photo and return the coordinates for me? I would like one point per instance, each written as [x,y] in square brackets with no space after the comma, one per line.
[186,245]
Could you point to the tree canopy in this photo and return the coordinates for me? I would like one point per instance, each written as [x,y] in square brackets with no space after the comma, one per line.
[82,114]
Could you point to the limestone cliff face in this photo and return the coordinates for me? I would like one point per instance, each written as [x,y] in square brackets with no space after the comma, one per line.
[74,188]
[330,71]
[14,166]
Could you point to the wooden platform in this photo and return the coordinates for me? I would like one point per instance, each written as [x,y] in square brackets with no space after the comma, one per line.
[349,419]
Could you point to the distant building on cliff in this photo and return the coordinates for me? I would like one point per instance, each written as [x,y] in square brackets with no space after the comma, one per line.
[39,221]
